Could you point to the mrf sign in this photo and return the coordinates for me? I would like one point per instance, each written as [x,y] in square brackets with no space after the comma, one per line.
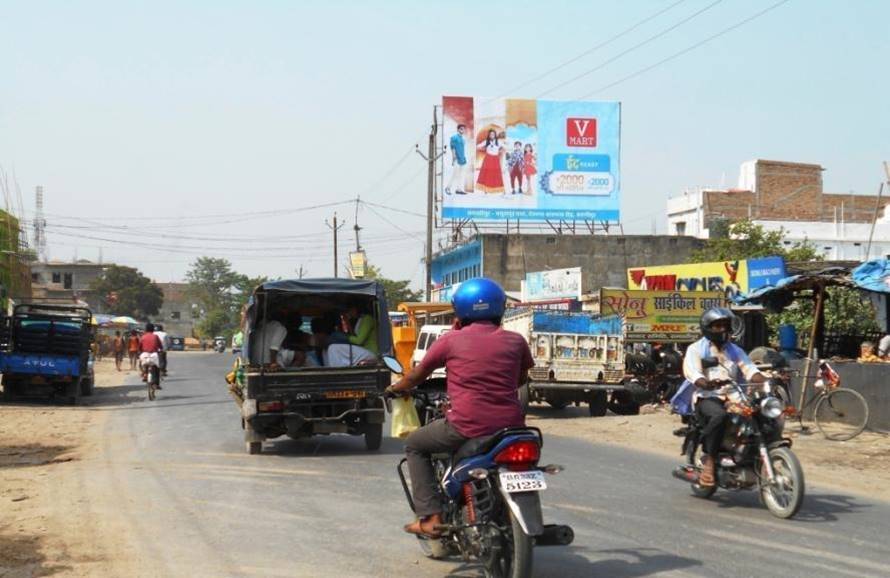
[731,278]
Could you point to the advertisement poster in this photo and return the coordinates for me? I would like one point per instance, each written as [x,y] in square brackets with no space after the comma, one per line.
[534,160]
[668,316]
[552,285]
[732,278]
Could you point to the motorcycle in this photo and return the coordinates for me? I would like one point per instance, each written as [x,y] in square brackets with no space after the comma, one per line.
[492,505]
[754,453]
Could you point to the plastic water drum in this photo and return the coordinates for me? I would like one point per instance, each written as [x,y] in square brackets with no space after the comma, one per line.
[787,337]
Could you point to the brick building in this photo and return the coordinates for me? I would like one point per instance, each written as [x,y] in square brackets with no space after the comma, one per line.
[176,314]
[778,194]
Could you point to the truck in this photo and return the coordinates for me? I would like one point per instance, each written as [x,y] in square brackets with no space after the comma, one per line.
[579,358]
[45,352]
[327,396]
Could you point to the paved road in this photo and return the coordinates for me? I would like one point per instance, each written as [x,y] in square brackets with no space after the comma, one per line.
[176,471]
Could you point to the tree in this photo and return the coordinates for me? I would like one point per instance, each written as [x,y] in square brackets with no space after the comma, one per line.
[126,291]
[219,293]
[747,240]
[845,311]
[396,291]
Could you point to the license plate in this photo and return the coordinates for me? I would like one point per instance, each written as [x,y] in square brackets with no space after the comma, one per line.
[348,394]
[532,481]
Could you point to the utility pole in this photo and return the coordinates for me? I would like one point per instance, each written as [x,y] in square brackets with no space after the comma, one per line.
[334,227]
[874,219]
[358,245]
[431,157]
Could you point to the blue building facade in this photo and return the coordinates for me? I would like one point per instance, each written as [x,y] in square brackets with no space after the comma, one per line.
[454,266]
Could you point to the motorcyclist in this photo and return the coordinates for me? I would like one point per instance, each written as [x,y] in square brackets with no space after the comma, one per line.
[732,364]
[165,346]
[485,366]
[149,344]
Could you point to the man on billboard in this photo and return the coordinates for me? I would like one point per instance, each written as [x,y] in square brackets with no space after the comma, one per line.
[516,162]
[458,162]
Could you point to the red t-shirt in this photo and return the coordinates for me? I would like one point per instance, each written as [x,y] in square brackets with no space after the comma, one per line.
[484,363]
[149,343]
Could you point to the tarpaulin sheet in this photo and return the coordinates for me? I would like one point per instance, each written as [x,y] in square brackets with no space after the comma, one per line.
[873,275]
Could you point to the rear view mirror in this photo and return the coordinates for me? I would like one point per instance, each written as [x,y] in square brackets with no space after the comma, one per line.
[393,364]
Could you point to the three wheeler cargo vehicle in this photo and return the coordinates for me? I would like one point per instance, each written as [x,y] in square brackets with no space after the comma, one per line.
[324,396]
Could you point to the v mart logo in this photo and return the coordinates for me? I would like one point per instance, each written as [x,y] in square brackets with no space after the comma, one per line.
[581,132]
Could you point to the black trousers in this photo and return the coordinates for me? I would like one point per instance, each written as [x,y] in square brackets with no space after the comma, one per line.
[438,436]
[712,416]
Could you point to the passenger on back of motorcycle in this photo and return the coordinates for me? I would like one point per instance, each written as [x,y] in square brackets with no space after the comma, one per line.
[485,366]
[726,362]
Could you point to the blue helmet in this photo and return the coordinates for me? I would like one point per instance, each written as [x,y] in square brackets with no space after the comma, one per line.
[479,298]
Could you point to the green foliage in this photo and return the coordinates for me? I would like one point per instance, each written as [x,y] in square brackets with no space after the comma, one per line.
[219,293]
[396,291]
[845,311]
[747,240]
[126,291]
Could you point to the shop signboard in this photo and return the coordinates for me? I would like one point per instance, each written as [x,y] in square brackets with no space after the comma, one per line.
[358,264]
[531,160]
[552,285]
[667,316]
[732,278]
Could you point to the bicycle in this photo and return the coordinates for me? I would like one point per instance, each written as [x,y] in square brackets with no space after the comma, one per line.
[840,413]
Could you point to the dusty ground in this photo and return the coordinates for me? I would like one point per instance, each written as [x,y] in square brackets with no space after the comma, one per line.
[46,527]
[861,465]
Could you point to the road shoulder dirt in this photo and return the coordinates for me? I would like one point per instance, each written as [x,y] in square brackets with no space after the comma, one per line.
[860,465]
[50,525]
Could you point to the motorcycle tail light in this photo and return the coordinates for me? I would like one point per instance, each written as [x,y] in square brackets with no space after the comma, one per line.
[519,456]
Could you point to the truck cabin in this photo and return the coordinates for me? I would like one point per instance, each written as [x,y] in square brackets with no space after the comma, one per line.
[317,324]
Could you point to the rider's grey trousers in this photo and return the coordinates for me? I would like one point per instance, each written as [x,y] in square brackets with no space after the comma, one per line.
[438,436]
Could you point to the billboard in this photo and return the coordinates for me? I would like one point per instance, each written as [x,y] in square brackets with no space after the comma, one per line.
[729,277]
[670,316]
[534,160]
[552,285]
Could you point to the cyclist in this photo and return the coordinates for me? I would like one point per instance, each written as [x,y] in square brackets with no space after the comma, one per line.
[730,363]
[149,344]
[485,366]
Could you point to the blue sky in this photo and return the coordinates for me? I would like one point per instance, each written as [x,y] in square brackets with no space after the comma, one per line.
[148,114]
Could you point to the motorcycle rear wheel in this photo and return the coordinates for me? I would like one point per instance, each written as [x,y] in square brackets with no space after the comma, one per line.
[785,500]
[514,557]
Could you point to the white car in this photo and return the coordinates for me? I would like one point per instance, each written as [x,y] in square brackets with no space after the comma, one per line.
[428,336]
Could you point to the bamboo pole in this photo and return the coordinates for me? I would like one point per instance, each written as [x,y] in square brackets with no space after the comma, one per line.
[817,317]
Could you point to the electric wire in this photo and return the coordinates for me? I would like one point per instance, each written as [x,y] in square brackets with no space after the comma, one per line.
[686,50]
[589,51]
[632,48]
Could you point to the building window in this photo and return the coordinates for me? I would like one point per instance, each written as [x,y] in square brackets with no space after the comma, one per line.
[57,277]
[35,277]
[69,280]
[175,315]
[681,228]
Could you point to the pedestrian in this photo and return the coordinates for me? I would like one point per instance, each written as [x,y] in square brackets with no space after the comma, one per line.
[133,349]
[118,346]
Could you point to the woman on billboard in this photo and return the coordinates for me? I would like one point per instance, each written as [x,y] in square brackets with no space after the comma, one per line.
[491,176]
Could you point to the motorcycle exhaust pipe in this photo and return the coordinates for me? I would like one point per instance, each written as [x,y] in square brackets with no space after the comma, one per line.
[555,535]
[687,474]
